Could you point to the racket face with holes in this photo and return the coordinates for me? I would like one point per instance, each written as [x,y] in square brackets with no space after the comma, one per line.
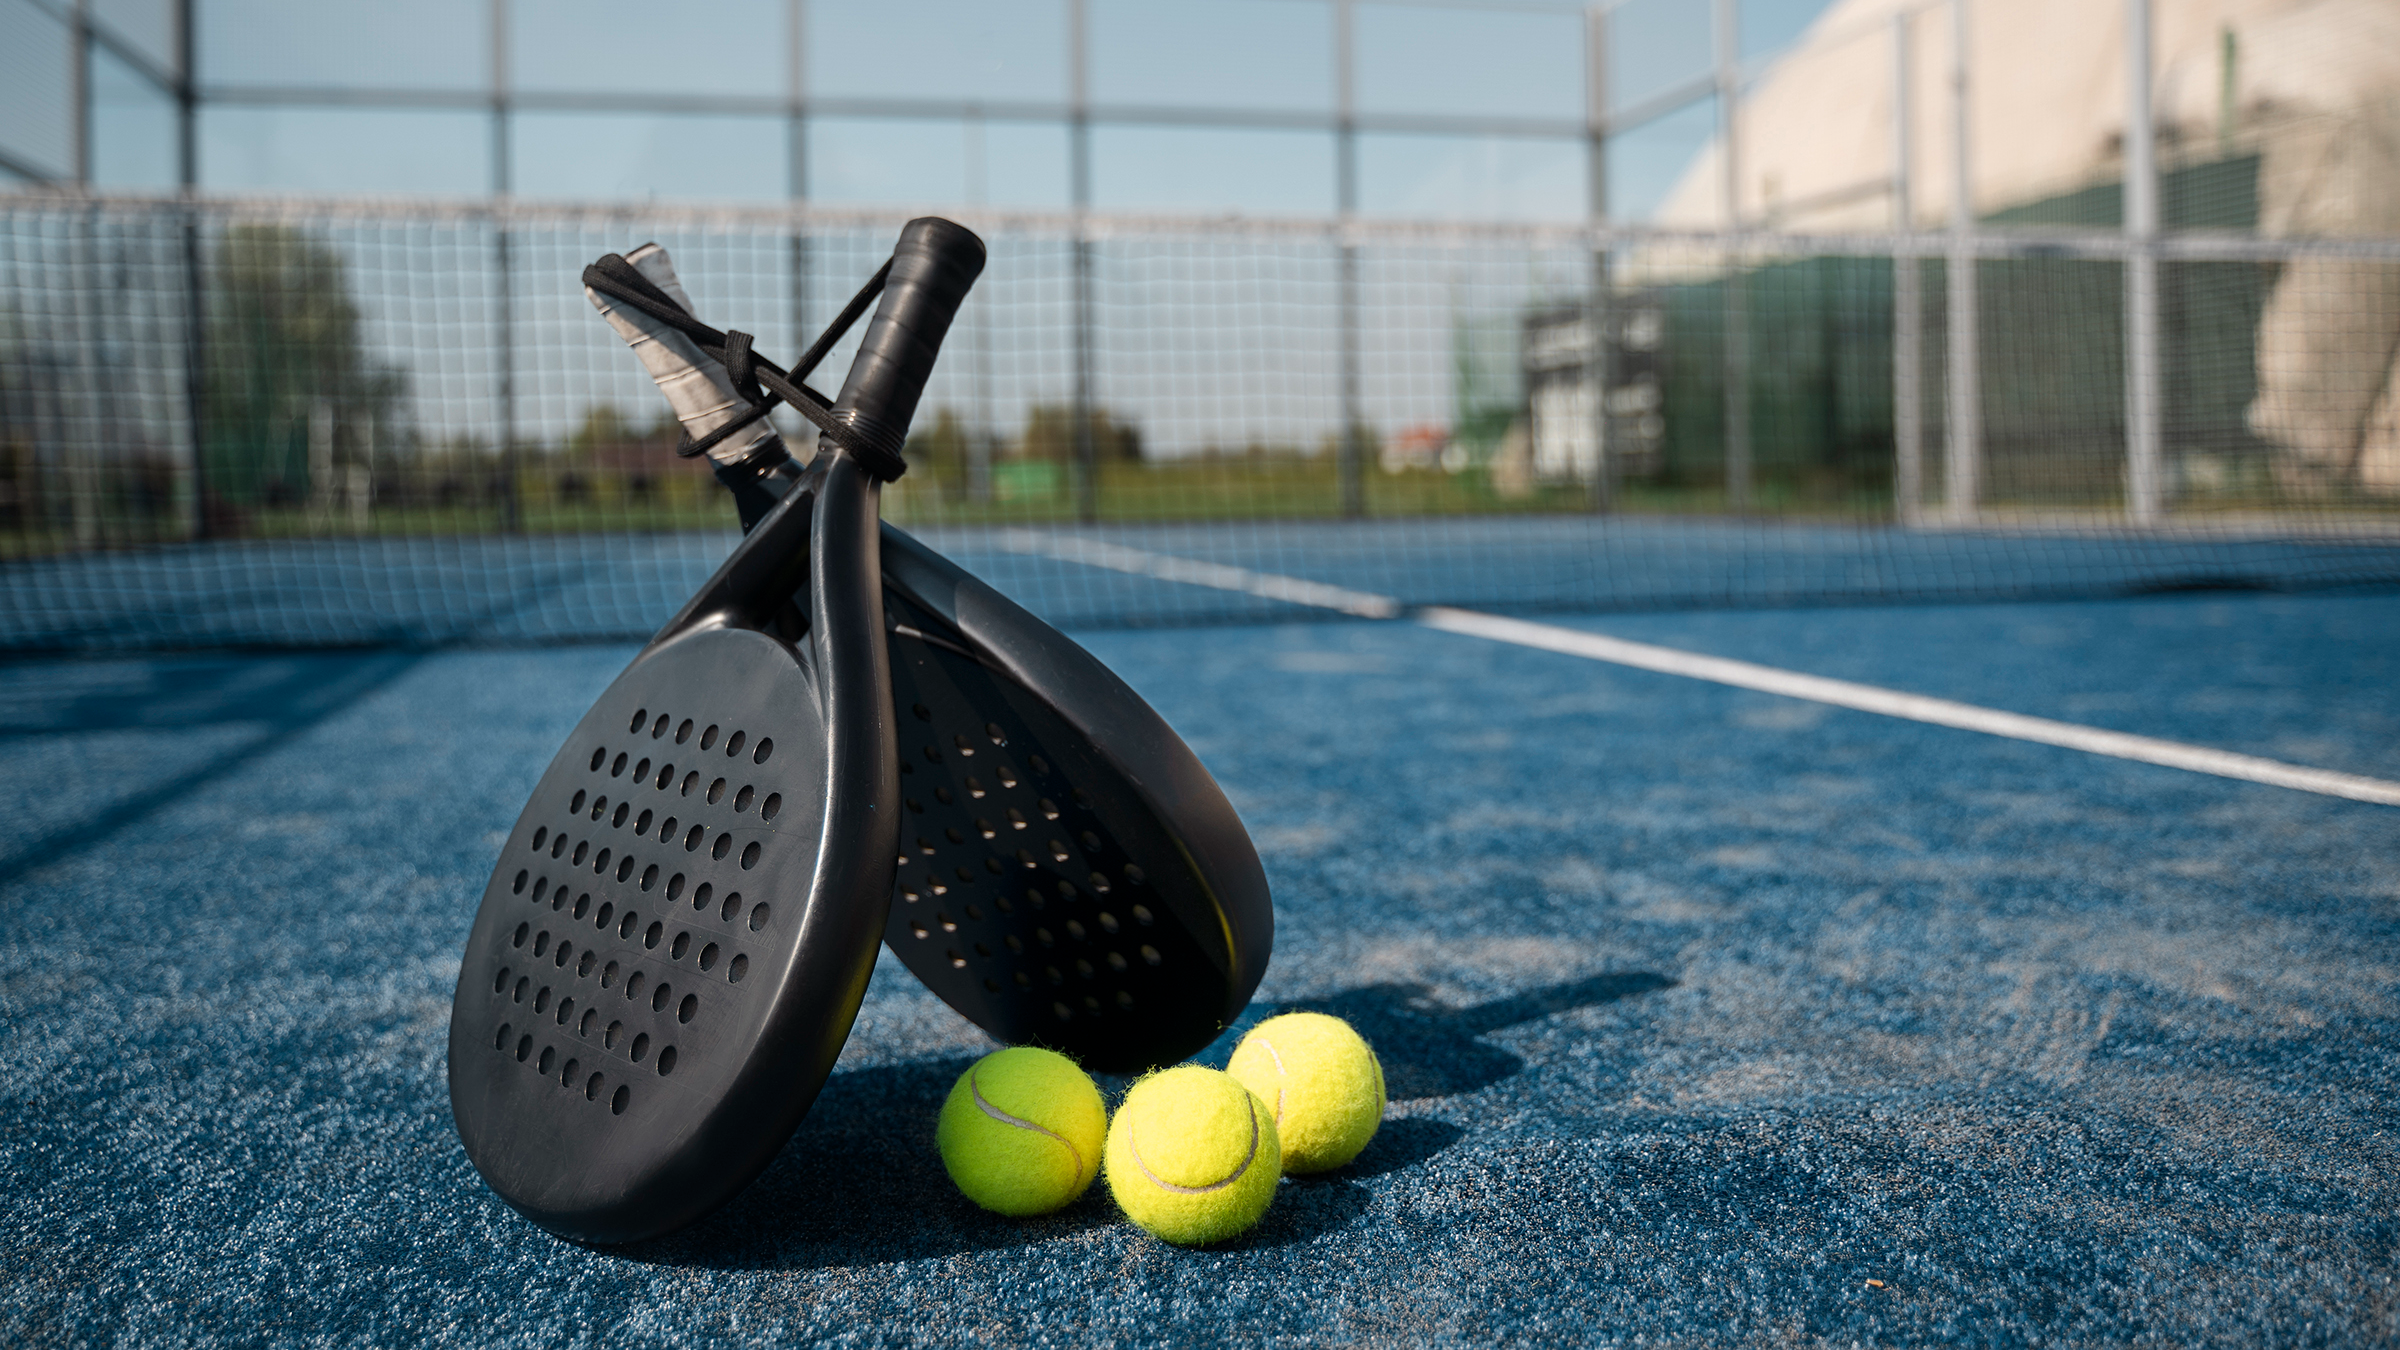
[680,928]
[1069,875]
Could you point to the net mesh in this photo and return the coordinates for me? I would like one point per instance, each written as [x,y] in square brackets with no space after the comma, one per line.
[230,423]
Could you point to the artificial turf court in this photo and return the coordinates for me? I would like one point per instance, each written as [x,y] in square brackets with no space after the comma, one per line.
[1701,1009]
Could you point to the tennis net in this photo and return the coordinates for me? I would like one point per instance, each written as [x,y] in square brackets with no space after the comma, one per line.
[228,422]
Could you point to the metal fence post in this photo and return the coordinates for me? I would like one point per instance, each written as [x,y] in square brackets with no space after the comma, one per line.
[795,168]
[81,464]
[1727,28]
[2144,490]
[195,296]
[81,408]
[1350,455]
[511,514]
[195,375]
[1962,467]
[79,93]
[1087,454]
[1352,452]
[1602,489]
[982,434]
[1908,312]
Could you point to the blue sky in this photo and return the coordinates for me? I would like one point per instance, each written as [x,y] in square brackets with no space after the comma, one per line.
[1237,57]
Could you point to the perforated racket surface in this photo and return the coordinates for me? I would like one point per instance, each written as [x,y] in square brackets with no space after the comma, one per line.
[676,938]
[1069,874]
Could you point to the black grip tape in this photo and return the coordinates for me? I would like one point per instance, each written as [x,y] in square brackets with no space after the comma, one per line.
[934,264]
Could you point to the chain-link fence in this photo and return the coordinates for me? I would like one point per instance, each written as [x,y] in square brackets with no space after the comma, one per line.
[1917,310]
[217,379]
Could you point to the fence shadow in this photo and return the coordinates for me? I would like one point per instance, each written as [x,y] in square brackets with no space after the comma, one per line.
[279,697]
[1429,1050]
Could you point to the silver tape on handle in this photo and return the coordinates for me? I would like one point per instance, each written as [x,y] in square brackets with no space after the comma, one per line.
[696,385]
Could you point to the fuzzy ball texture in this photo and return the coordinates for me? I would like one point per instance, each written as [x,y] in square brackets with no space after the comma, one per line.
[1192,1156]
[1322,1081]
[1022,1130]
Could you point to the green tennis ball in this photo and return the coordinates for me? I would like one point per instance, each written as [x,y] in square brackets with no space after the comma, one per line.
[1022,1130]
[1322,1081]
[1192,1156]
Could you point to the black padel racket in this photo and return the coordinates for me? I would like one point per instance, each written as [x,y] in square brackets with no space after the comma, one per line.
[675,942]
[1069,874]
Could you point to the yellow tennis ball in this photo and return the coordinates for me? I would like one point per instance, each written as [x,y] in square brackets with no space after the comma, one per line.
[1322,1081]
[1022,1130]
[1192,1156]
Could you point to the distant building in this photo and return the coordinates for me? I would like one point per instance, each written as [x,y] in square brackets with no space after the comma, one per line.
[1586,410]
[2310,88]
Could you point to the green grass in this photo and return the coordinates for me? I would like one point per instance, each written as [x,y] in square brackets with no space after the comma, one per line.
[1265,488]
[1297,488]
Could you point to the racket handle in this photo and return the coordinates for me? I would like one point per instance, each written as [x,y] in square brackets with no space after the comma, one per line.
[934,264]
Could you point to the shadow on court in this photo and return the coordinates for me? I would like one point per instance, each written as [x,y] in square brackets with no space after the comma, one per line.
[280,698]
[861,1183]
[2047,1048]
[1432,1051]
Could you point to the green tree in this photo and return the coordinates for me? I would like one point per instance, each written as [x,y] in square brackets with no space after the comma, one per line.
[605,427]
[285,351]
[1050,435]
[939,453]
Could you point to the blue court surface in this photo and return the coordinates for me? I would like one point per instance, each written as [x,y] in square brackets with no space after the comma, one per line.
[1707,1015]
[520,589]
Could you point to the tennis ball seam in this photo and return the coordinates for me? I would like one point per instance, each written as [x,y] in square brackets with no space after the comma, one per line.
[975,1088]
[1133,1144]
[1281,1074]
[1328,1098]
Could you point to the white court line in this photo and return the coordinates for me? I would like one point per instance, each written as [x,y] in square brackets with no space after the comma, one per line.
[1940,712]
[1216,576]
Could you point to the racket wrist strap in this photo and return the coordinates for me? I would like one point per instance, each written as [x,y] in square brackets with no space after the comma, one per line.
[760,383]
